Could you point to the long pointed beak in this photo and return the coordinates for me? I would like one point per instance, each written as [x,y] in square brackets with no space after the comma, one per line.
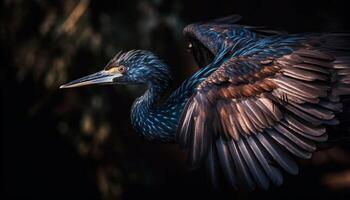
[101,77]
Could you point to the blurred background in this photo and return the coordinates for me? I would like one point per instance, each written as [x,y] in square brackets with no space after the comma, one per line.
[65,144]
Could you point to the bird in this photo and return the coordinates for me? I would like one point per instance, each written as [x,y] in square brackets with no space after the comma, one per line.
[260,100]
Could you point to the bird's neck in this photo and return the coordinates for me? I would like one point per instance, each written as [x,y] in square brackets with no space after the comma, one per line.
[155,90]
[149,117]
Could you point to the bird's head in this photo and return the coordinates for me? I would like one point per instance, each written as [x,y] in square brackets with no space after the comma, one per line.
[132,67]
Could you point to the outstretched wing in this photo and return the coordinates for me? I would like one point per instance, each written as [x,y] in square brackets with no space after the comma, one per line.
[272,101]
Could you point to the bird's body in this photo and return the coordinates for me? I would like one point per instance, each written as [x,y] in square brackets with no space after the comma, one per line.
[258,97]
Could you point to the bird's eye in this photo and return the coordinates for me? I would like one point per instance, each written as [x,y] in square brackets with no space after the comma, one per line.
[189,46]
[121,69]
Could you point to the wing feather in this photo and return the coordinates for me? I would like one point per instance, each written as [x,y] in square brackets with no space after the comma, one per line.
[272,98]
[278,155]
[226,162]
[273,173]
[253,165]
[242,169]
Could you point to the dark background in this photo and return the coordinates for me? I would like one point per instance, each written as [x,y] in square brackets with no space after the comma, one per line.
[79,144]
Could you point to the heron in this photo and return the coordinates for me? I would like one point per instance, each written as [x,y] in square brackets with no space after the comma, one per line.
[260,99]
